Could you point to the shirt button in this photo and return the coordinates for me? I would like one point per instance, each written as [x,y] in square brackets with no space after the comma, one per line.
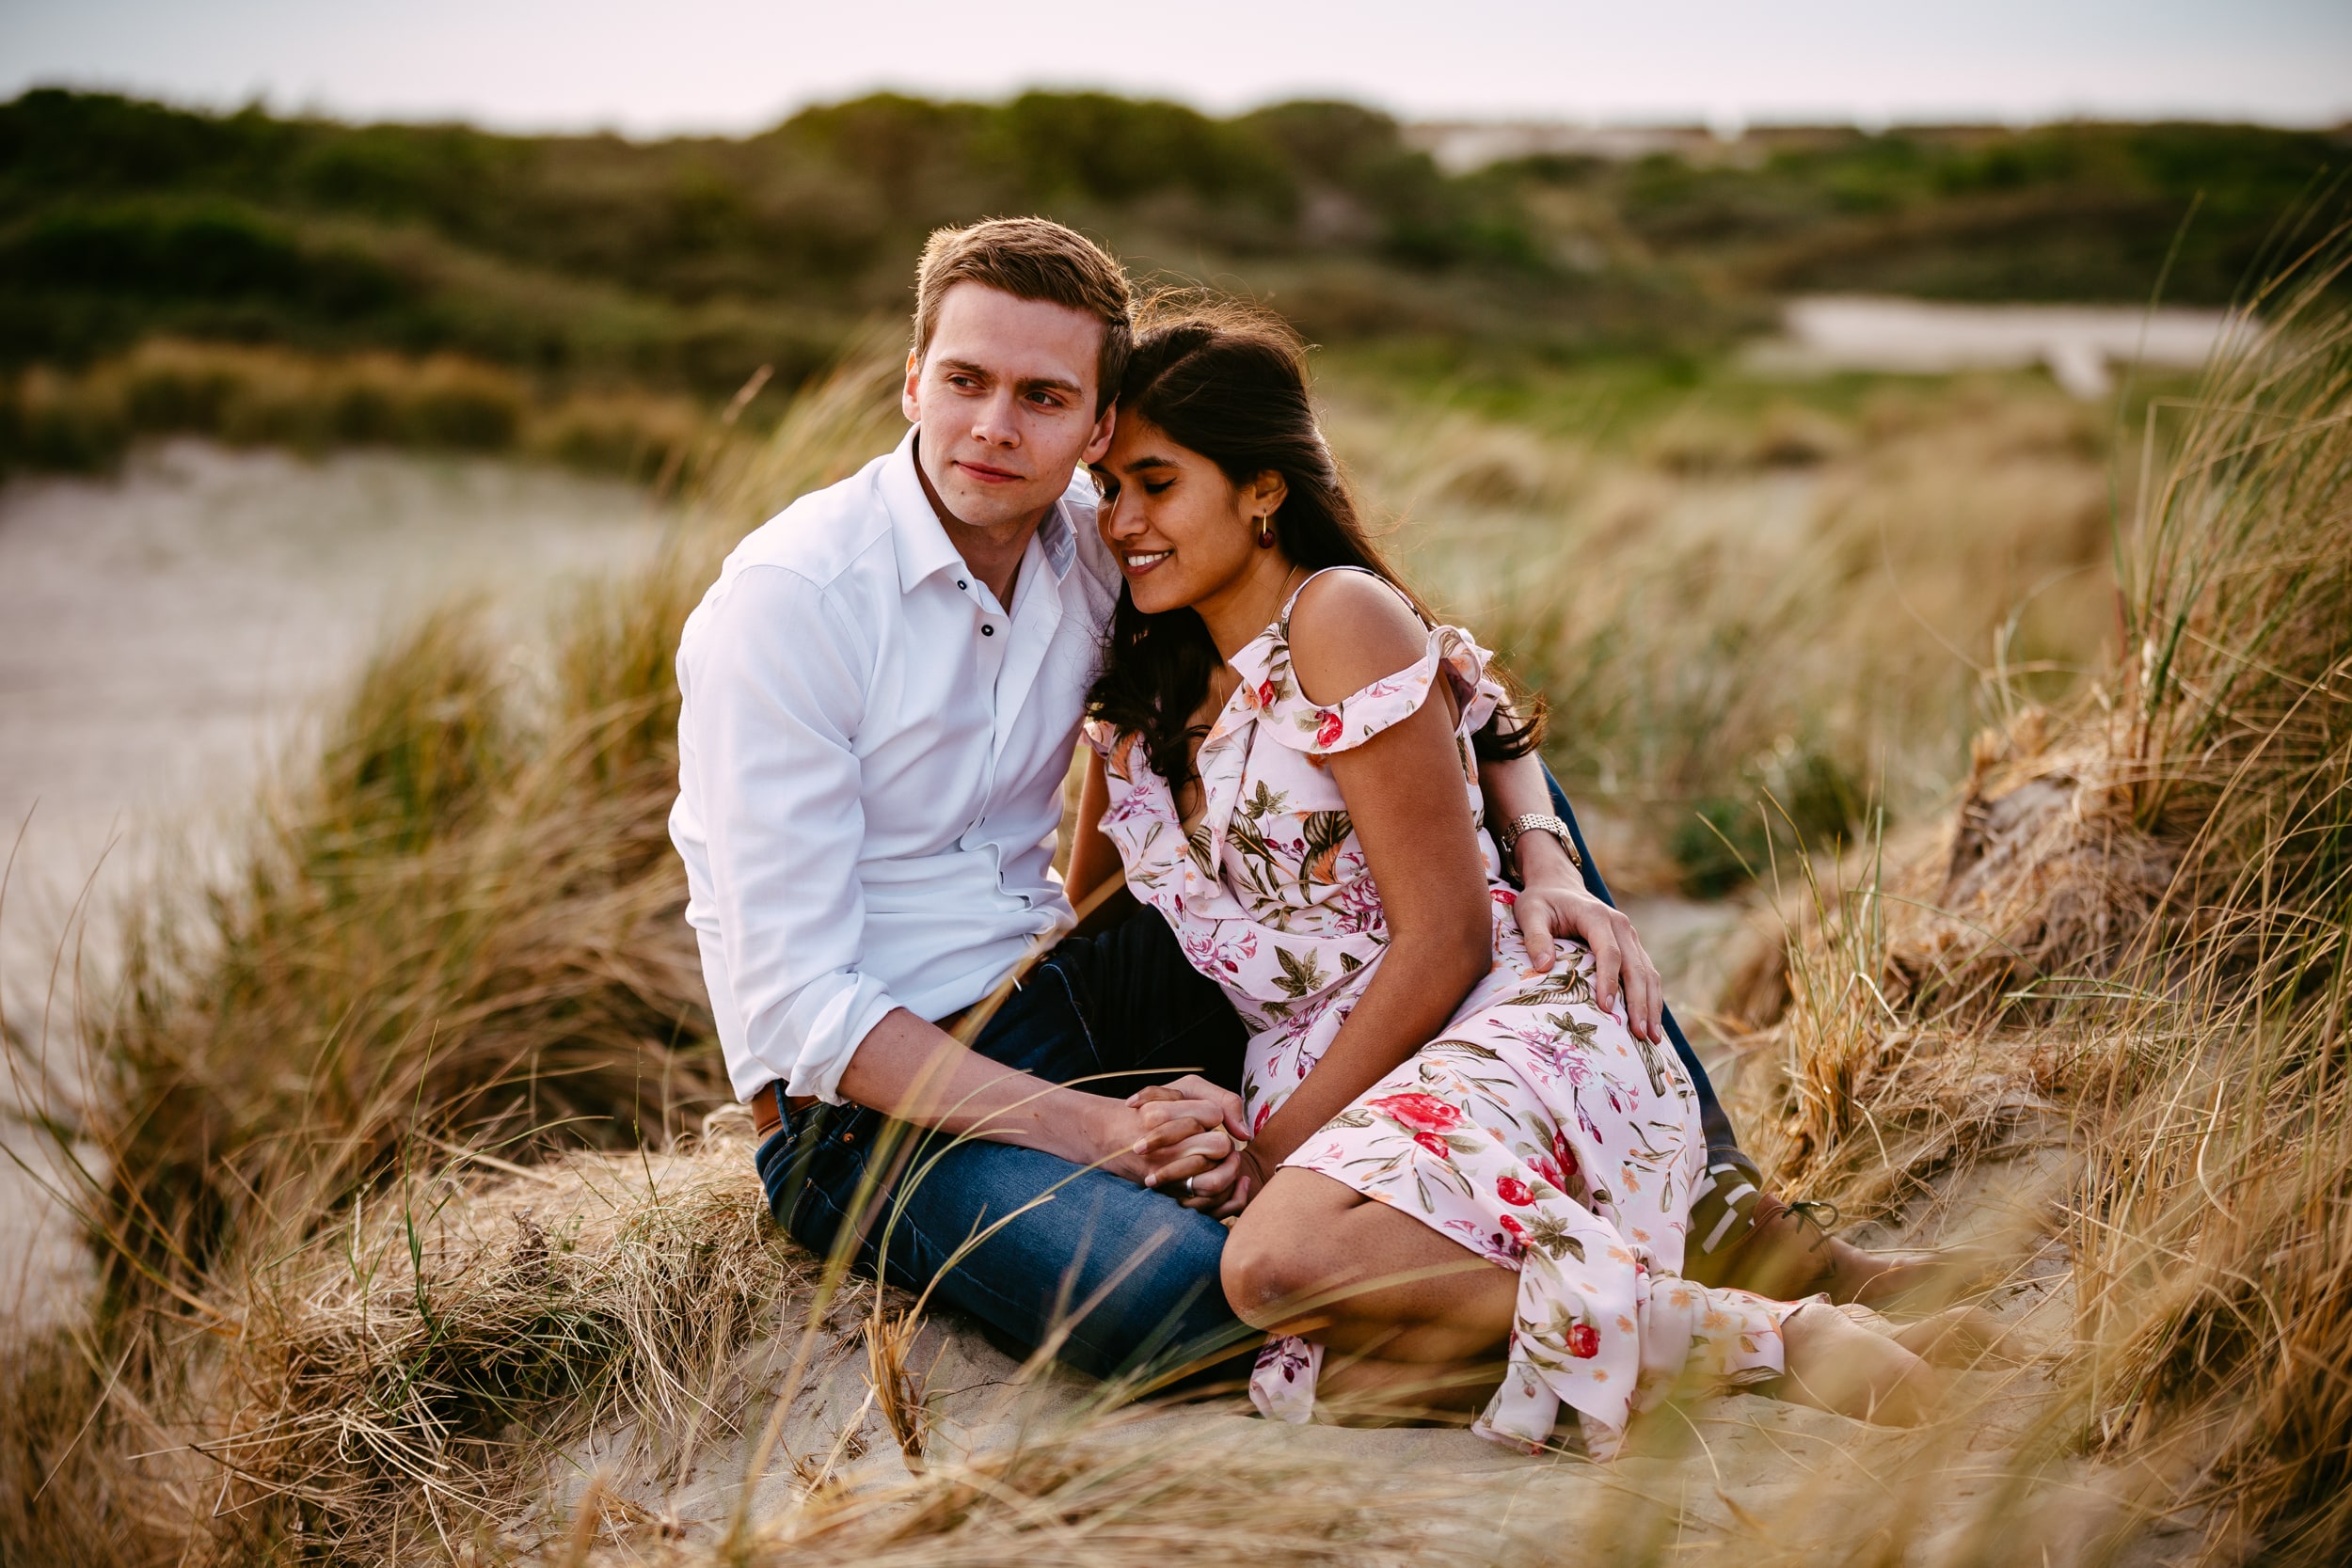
[961,583]
[988,631]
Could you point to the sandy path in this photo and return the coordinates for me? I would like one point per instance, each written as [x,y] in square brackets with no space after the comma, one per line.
[163,632]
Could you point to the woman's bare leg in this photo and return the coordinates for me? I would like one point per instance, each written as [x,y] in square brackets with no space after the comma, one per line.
[1314,1256]
[1367,1391]
[1838,1365]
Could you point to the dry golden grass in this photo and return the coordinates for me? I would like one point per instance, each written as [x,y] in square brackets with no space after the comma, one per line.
[2094,1017]
[2133,936]
[255,396]
[461,921]
[1813,619]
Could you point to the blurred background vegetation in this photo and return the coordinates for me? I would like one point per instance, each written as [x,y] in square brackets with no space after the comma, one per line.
[1735,588]
[681,265]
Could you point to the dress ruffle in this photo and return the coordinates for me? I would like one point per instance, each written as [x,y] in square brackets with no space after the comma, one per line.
[1284,713]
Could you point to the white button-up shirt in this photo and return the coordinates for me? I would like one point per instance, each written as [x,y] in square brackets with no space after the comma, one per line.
[870,758]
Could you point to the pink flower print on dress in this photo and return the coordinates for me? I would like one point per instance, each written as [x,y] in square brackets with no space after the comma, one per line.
[1583,1341]
[1286,1357]
[1418,1113]
[1326,726]
[1264,693]
[1512,1190]
[1434,1144]
[1210,949]
[1555,1057]
[1356,904]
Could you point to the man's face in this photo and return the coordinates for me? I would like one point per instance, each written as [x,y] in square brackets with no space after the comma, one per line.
[1005,395]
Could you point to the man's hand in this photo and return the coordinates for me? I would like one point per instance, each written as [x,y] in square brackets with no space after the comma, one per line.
[1189,1127]
[1554,904]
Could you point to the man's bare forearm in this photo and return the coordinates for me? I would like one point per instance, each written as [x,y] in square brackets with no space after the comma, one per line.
[1515,788]
[917,1072]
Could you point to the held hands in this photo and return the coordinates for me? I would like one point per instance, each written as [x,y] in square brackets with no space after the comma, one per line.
[1554,904]
[1194,1132]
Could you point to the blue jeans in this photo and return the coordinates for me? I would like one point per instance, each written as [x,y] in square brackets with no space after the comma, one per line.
[1131,1274]
[1725,1202]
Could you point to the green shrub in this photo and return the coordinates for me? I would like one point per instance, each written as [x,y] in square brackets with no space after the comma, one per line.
[1799,799]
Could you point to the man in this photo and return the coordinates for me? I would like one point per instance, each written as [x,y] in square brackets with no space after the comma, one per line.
[881,699]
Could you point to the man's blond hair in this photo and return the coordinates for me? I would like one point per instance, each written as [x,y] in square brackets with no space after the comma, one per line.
[1031,259]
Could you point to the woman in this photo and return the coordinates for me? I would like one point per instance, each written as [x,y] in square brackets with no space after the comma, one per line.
[1455,1158]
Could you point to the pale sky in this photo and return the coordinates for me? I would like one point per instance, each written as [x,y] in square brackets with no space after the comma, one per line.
[734,66]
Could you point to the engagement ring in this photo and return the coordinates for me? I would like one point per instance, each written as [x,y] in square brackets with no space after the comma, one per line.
[1188,1192]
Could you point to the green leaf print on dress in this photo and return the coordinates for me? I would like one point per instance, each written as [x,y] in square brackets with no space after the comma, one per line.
[1300,976]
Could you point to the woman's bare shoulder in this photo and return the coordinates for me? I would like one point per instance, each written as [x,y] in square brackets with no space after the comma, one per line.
[1347,630]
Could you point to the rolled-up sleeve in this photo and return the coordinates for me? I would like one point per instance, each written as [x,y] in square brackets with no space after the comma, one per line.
[774,688]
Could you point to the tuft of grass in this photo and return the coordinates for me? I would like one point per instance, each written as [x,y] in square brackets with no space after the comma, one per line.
[85,420]
[2134,940]
[463,921]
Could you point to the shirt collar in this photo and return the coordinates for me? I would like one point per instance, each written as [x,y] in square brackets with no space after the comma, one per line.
[923,546]
[1059,539]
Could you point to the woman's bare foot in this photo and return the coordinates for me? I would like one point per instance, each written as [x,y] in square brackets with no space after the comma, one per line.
[1956,1337]
[1789,1254]
[1836,1364]
[1889,1280]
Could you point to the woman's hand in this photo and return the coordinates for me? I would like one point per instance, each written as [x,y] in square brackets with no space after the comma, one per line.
[1226,1188]
[1554,904]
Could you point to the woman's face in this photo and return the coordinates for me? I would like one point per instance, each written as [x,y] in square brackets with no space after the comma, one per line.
[1182,530]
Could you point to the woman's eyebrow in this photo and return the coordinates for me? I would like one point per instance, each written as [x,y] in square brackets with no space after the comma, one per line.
[1136,465]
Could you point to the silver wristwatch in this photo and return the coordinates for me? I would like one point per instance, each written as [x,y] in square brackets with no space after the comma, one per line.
[1509,834]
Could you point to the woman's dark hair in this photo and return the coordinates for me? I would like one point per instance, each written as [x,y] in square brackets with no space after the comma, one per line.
[1231,386]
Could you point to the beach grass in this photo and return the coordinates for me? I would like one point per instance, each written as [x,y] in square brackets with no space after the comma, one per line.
[423,1241]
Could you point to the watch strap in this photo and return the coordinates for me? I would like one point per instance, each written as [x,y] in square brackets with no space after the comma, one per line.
[1539,822]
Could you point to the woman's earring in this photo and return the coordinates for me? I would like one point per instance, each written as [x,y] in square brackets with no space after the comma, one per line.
[1265,533]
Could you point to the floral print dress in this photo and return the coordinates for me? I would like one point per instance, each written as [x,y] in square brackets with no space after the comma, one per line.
[1535,1130]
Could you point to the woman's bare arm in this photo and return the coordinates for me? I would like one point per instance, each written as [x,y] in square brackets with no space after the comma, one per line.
[1095,881]
[1404,796]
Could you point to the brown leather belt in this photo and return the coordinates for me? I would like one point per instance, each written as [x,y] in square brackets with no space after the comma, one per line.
[768,1114]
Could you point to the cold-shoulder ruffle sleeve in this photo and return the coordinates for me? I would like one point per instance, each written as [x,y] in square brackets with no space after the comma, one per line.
[1098,734]
[1319,729]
